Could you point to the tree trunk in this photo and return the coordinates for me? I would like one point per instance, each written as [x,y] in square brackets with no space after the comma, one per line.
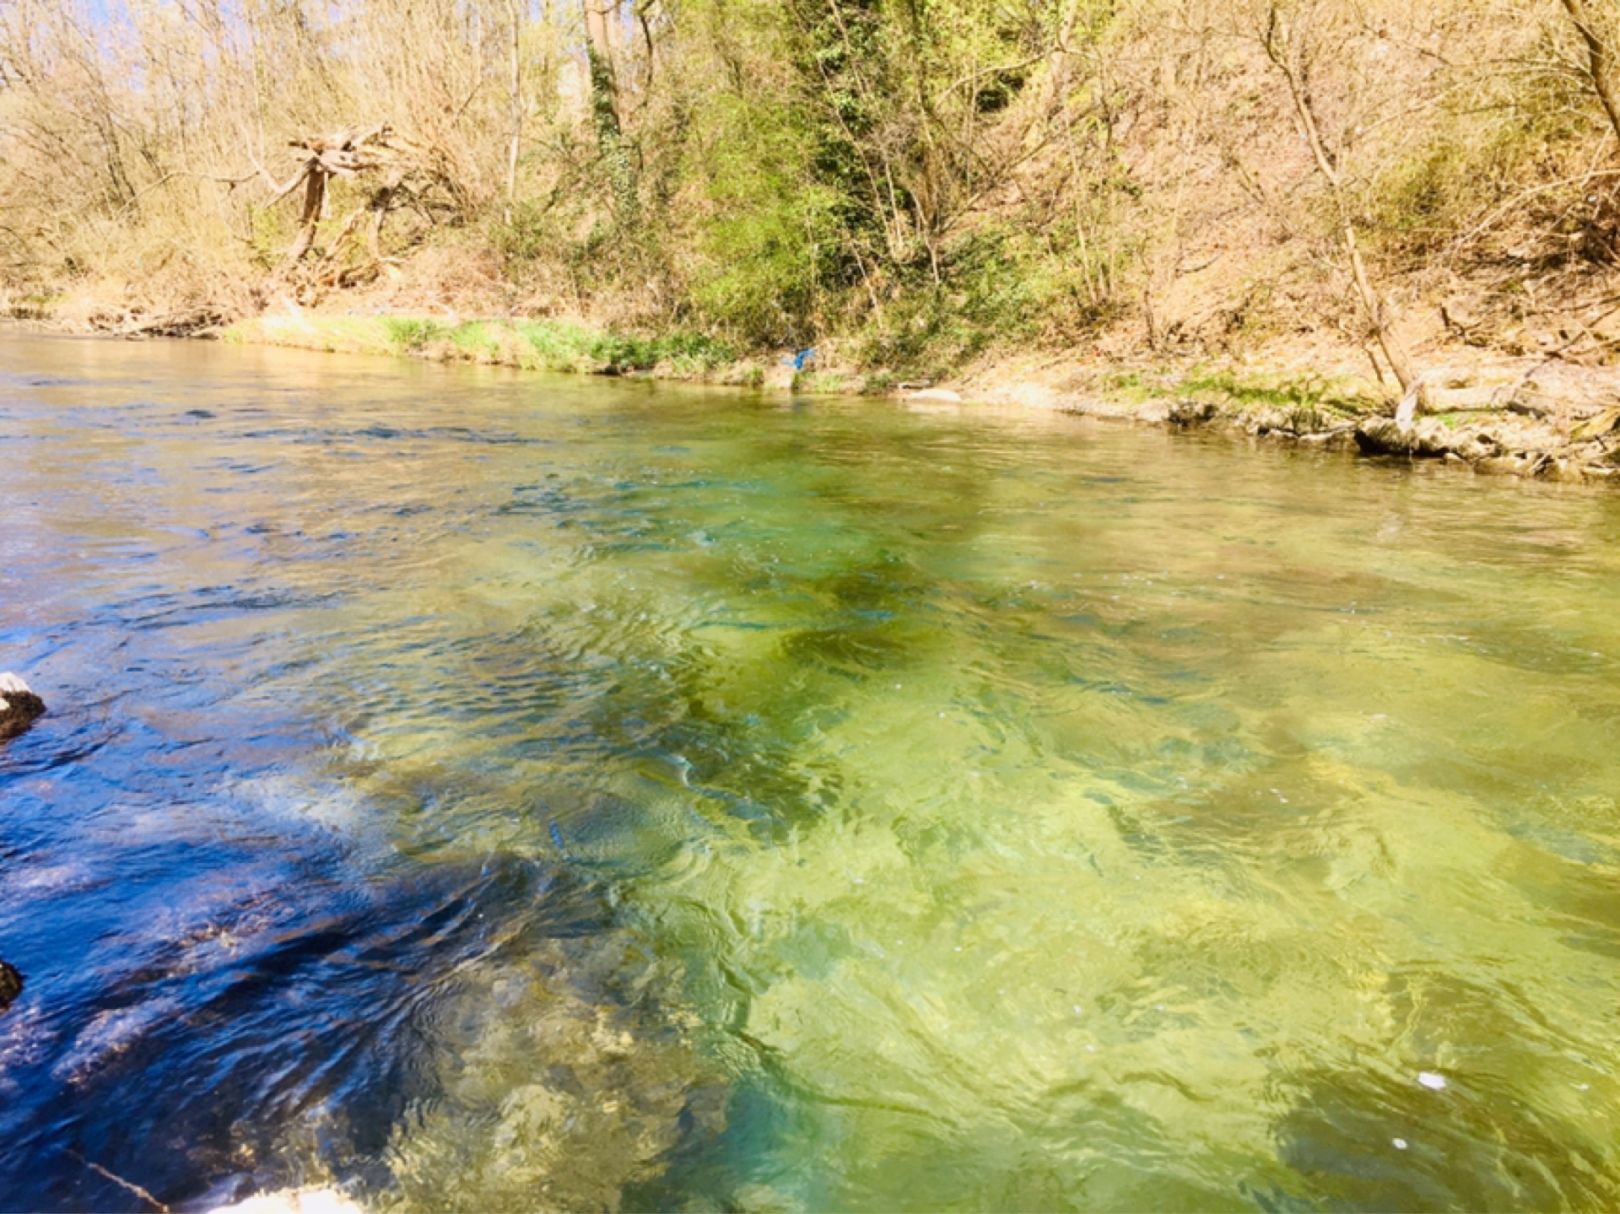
[516,81]
[1599,60]
[1394,352]
[601,26]
[314,204]
[599,51]
[1279,48]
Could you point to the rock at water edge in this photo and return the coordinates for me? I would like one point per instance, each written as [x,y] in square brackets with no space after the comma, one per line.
[19,706]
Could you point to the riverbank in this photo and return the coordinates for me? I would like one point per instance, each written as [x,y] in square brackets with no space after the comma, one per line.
[1488,412]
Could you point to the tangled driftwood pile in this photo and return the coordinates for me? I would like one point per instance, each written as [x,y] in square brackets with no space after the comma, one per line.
[403,173]
[395,174]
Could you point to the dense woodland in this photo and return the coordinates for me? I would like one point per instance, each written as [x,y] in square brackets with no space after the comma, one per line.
[914,180]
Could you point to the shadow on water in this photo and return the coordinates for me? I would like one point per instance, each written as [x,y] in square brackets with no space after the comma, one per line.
[242,973]
[288,999]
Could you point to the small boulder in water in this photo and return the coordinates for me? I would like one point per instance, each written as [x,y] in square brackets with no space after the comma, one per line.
[19,707]
[11,984]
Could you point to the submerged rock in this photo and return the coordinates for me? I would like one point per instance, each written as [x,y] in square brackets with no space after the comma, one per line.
[19,707]
[562,1082]
[11,984]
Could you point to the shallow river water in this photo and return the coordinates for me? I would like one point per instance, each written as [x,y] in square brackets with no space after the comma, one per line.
[501,792]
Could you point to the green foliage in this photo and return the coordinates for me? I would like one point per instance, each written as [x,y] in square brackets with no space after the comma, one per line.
[27,305]
[529,235]
[821,383]
[685,352]
[270,232]
[409,333]
[560,345]
[1310,395]
[616,155]
[475,340]
[1418,202]
[771,242]
[1000,285]
[537,345]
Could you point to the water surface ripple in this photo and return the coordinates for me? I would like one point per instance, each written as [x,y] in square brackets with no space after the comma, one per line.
[498,792]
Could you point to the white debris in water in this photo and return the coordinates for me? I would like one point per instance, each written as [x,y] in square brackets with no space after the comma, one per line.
[1400,1143]
[1432,1081]
[293,1201]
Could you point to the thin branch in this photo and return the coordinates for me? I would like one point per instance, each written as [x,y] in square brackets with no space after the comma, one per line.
[1523,196]
[127,1185]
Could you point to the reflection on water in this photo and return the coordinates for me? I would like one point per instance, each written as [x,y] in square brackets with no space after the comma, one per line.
[497,792]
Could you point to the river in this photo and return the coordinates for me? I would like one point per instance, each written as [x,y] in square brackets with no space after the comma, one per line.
[502,792]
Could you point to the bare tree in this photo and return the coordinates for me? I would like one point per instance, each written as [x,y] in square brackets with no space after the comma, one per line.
[1291,45]
[1600,65]
[515,84]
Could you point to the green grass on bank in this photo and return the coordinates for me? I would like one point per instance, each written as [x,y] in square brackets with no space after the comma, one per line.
[1314,402]
[533,345]
[1308,403]
[27,305]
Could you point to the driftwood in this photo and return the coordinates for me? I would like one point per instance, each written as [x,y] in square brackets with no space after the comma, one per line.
[404,173]
[136,322]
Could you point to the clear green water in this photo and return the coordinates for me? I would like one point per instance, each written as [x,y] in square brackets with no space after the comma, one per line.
[919,810]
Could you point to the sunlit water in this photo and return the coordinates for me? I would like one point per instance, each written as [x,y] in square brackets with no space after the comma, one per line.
[494,792]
